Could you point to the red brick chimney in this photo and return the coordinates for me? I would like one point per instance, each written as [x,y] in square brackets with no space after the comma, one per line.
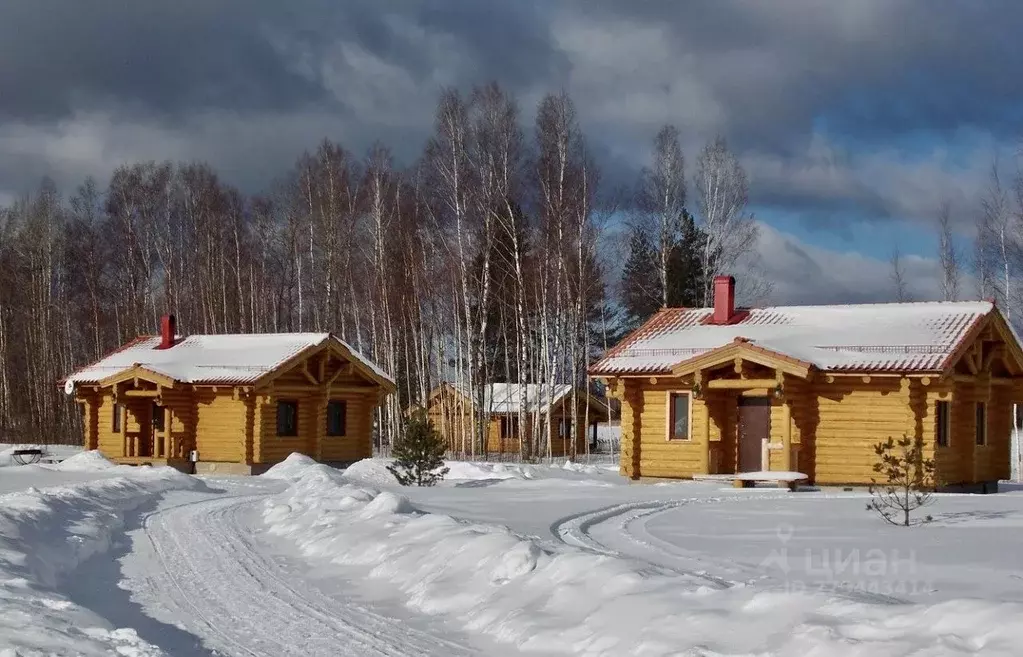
[168,329]
[724,299]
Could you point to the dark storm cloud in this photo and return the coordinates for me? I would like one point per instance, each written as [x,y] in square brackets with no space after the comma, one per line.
[878,67]
[165,59]
[169,59]
[239,82]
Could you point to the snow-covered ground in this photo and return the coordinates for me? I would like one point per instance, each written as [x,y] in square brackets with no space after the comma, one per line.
[46,534]
[499,559]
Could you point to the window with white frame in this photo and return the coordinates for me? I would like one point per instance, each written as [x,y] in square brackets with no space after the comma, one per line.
[679,415]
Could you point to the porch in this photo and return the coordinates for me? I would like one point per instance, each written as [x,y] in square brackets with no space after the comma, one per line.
[734,410]
[755,408]
[140,418]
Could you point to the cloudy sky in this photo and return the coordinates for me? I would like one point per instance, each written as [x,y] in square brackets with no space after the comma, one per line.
[855,119]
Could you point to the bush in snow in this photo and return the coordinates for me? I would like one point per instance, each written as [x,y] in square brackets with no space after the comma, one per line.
[419,456]
[909,480]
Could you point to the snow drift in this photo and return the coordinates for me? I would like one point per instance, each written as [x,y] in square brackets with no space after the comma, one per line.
[91,461]
[45,534]
[373,472]
[575,602]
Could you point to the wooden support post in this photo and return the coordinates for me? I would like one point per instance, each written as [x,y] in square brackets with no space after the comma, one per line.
[257,402]
[983,391]
[167,440]
[123,412]
[320,430]
[704,466]
[906,392]
[91,424]
[786,436]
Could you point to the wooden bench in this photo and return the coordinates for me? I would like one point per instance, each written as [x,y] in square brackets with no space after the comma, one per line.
[789,480]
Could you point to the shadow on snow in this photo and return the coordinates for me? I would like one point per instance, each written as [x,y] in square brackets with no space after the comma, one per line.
[95,586]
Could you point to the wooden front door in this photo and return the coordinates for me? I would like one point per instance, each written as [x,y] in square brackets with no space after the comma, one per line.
[754,427]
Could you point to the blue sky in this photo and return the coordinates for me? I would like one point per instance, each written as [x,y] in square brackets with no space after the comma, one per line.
[854,120]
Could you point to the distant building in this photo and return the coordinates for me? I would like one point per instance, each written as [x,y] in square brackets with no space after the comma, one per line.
[453,409]
[813,388]
[242,402]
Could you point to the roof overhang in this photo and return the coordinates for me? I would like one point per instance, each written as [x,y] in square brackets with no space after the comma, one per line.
[141,373]
[998,325]
[745,350]
[336,347]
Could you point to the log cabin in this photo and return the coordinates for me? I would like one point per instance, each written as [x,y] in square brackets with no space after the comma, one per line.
[451,409]
[812,389]
[229,403]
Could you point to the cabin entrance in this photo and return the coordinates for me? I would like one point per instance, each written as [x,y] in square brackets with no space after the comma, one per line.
[754,427]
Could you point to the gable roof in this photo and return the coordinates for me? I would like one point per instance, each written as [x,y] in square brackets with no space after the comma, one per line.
[503,398]
[890,337]
[229,359]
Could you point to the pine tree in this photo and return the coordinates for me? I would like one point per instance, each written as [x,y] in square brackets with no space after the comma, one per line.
[640,288]
[908,480]
[685,269]
[419,456]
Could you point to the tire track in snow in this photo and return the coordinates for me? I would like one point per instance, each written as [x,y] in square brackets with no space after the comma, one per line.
[214,578]
[663,556]
[576,530]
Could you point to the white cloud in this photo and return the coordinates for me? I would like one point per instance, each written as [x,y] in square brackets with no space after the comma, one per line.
[806,274]
[881,182]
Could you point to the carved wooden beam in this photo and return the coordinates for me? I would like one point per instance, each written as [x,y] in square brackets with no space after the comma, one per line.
[741,384]
[997,351]
[308,375]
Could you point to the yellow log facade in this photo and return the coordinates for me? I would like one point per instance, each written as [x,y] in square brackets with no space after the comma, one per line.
[821,424]
[565,434]
[234,428]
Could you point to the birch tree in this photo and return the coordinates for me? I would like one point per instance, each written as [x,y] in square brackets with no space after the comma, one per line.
[722,193]
[663,197]
[998,240]
[898,275]
[948,254]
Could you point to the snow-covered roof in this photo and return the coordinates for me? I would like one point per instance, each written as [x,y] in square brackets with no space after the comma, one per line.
[212,359]
[894,337]
[504,398]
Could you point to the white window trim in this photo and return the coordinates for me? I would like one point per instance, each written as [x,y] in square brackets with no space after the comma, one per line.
[667,416]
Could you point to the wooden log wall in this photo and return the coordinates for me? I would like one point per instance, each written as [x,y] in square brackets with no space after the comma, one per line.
[652,454]
[853,417]
[312,400]
[221,424]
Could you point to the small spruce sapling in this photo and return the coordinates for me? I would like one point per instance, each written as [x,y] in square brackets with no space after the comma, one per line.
[419,455]
[908,480]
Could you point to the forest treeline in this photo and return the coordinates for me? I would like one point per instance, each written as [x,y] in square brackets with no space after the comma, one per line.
[486,259]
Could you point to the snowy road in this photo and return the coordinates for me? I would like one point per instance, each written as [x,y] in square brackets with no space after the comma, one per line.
[311,561]
[201,566]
